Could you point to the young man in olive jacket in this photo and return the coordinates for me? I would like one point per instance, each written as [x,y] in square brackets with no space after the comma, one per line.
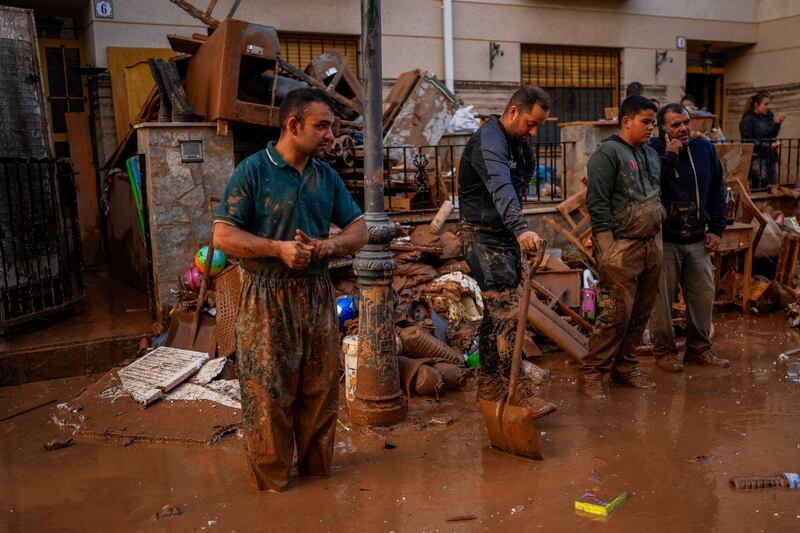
[626,212]
[692,192]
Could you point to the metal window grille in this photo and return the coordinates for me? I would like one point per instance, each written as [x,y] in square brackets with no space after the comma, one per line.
[299,49]
[40,255]
[581,81]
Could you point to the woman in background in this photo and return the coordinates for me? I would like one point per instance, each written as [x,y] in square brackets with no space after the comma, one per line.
[761,127]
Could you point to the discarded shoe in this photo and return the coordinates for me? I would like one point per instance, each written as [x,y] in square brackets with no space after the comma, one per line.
[708,358]
[634,378]
[669,363]
[592,386]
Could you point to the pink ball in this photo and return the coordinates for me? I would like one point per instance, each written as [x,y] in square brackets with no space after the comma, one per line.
[193,278]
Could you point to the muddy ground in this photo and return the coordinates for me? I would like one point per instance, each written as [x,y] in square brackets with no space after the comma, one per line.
[673,450]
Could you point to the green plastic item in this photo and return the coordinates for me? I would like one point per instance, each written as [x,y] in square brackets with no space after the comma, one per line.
[474,360]
[132,166]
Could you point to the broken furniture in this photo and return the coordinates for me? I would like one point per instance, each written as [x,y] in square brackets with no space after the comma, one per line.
[579,224]
[787,263]
[735,159]
[553,326]
[224,64]
[748,212]
[331,69]
[160,371]
[416,115]
[703,123]
[738,237]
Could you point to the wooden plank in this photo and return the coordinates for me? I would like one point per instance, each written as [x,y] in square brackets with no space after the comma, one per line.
[80,148]
[118,59]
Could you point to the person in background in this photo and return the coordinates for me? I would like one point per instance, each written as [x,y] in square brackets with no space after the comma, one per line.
[690,104]
[760,127]
[626,212]
[634,88]
[693,195]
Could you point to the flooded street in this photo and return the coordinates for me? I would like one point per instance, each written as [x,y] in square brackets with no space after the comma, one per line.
[672,450]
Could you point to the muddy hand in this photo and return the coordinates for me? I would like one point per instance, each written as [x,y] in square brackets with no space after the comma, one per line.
[535,259]
[321,248]
[530,242]
[712,242]
[295,254]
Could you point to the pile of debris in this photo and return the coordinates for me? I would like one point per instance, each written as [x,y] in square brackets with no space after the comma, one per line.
[438,310]
[157,398]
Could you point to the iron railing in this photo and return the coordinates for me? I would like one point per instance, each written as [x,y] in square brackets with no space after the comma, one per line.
[419,178]
[772,166]
[40,255]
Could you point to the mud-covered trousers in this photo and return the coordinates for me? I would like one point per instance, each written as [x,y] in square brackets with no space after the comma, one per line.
[288,363]
[495,265]
[629,274]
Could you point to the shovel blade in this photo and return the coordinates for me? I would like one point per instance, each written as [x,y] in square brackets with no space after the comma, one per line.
[511,428]
[180,332]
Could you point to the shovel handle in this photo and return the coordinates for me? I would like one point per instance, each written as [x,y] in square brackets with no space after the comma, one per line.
[522,319]
[206,274]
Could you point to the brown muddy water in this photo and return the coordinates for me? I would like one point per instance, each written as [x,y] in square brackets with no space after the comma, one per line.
[672,449]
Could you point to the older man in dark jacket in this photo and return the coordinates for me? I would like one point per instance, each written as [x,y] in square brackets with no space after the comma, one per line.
[693,195]
[495,169]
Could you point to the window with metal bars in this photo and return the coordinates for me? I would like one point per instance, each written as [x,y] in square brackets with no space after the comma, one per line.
[299,49]
[581,81]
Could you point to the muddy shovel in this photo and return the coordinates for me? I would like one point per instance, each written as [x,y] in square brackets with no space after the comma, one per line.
[510,426]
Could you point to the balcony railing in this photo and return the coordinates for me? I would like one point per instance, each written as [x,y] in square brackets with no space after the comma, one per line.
[773,165]
[419,178]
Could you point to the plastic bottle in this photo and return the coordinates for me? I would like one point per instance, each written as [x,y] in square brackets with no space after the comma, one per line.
[787,479]
[730,205]
[793,371]
[588,296]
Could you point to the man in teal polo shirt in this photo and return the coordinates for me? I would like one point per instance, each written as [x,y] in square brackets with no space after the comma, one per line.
[274,216]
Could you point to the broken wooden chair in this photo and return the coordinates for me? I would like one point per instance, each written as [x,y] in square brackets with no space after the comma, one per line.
[579,225]
[749,212]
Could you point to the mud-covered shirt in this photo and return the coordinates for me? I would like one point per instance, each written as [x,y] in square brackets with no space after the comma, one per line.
[623,190]
[269,198]
[493,173]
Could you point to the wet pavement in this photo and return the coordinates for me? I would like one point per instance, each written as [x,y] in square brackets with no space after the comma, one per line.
[672,449]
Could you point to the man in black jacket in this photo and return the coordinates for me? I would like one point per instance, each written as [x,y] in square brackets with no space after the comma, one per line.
[493,174]
[693,195]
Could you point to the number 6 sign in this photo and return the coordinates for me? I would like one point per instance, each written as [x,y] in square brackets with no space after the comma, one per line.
[103,9]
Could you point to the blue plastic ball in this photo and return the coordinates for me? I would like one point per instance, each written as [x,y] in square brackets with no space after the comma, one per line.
[346,309]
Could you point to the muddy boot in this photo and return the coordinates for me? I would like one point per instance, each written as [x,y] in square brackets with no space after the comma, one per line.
[708,358]
[181,110]
[537,406]
[669,363]
[633,378]
[164,105]
[591,385]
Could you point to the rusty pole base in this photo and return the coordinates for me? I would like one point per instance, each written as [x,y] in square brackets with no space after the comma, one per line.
[379,400]
[383,412]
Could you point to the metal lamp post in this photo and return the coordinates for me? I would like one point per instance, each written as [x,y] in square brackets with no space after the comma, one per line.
[378,398]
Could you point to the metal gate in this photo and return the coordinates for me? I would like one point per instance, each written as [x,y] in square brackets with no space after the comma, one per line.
[40,259]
